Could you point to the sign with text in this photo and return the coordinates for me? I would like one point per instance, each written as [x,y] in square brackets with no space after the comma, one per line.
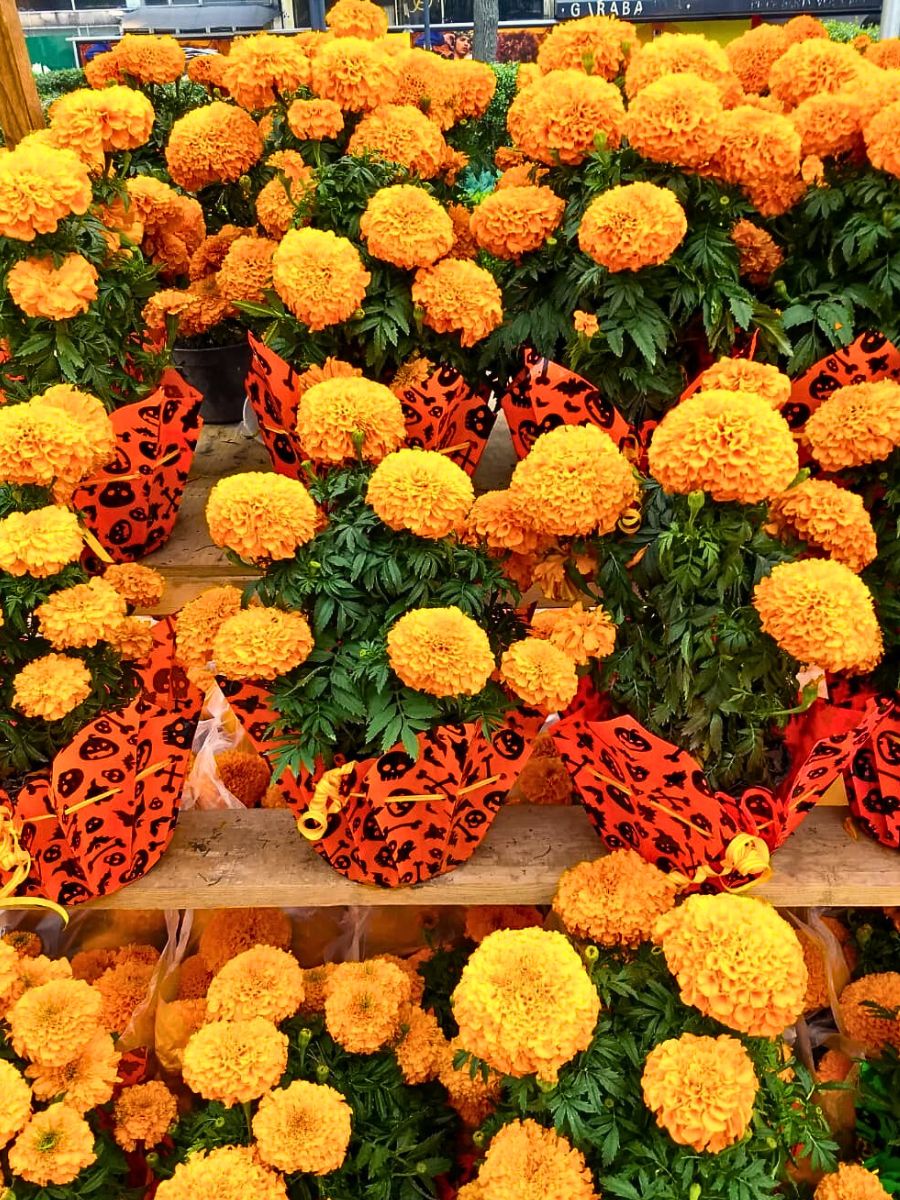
[704,10]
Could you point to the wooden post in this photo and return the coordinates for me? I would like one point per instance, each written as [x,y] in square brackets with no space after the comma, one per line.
[20,108]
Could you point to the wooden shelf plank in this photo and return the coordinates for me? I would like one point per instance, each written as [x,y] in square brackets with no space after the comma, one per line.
[235,859]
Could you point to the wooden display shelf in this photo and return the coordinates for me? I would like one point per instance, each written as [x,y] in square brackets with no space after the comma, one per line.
[256,858]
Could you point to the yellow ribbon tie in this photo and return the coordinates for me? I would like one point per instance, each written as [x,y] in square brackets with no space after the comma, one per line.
[630,520]
[745,854]
[92,544]
[16,860]
[327,799]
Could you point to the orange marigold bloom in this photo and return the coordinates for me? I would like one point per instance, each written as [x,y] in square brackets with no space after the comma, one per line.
[276,204]
[226,1173]
[464,245]
[525,1003]
[208,70]
[457,296]
[331,368]
[139,586]
[701,1090]
[315,987]
[440,651]
[262,982]
[747,375]
[574,481]
[676,53]
[84,1083]
[25,943]
[245,775]
[40,542]
[54,1147]
[82,615]
[676,119]
[503,523]
[355,74]
[484,919]
[32,973]
[315,120]
[857,424]
[564,116]
[39,186]
[828,124]
[758,148]
[197,624]
[596,45]
[124,117]
[860,1019]
[319,276]
[399,133]
[210,254]
[816,955]
[802,28]
[262,68]
[102,69]
[198,308]
[816,65]
[336,414]
[615,900]
[472,1097]
[631,226]
[730,444]
[736,960]
[235,1061]
[406,226]
[365,1004]
[357,19]
[751,55]
[523,174]
[44,446]
[884,53]
[822,614]
[124,988]
[851,1181]
[422,1048]
[173,225]
[881,139]
[473,84]
[262,643]
[828,518]
[41,289]
[833,1067]
[144,1114]
[86,411]
[51,687]
[530,1162]
[230,931]
[149,58]
[582,634]
[16,1107]
[260,517]
[305,1126]
[540,674]
[53,1023]
[516,220]
[216,143]
[133,639]
[411,374]
[422,491]
[758,254]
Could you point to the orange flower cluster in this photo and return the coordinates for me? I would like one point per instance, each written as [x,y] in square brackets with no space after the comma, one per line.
[16,1102]
[345,418]
[859,1002]
[501,522]
[676,119]
[50,687]
[365,1003]
[596,45]
[197,309]
[279,200]
[226,1173]
[261,69]
[851,1181]
[80,616]
[881,138]
[246,271]
[355,74]
[746,375]
[52,1024]
[828,124]
[305,1126]
[758,254]
[615,900]
[235,1061]
[39,186]
[565,116]
[457,296]
[233,930]
[172,225]
[540,674]
[145,58]
[440,651]
[677,53]
[54,1147]
[828,518]
[399,133]
[262,643]
[813,66]
[315,120]
[199,621]
[752,54]
[260,517]
[582,634]
[91,123]
[761,153]
[319,276]
[856,425]
[216,143]
[208,70]
[144,1114]
[632,226]
[52,445]
[40,542]
[406,226]
[513,221]
[57,293]
[262,982]
[422,1049]
[357,19]
[422,491]
[529,1162]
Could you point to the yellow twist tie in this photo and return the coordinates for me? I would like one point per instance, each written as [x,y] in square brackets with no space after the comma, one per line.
[16,860]
[327,799]
[745,854]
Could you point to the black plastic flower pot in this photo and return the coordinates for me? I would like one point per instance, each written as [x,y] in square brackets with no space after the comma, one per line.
[218,373]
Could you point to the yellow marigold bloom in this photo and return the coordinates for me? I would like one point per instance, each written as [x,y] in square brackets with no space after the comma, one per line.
[32,972]
[525,1003]
[701,1090]
[262,643]
[133,639]
[828,124]
[406,226]
[50,687]
[751,55]
[124,988]
[529,1162]
[357,19]
[149,58]
[422,1048]
[828,518]
[216,143]
[595,45]
[422,491]
[676,53]
[39,185]
[730,444]
[399,133]
[746,375]
[125,117]
[315,120]
[261,517]
[86,411]
[144,1114]
[43,446]
[15,1107]
[582,634]
[355,74]
[303,1127]
[816,65]
[365,1003]
[197,624]
[563,117]
[540,674]
[227,1173]
[440,651]
[851,1181]
[74,125]
[502,523]
[345,418]
[262,68]
[857,424]
[262,982]
[82,615]
[41,289]
[758,254]
[230,931]
[516,220]
[53,1148]
[457,296]
[574,481]
[139,586]
[319,276]
[331,368]
[246,271]
[53,1023]
[861,1022]
[84,1083]
[40,542]
[736,960]
[472,1098]
[632,226]
[676,119]
[615,900]
[235,1061]
[822,614]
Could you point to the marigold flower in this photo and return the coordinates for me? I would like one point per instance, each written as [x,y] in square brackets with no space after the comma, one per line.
[802,28]
[53,1023]
[25,943]
[582,634]
[365,1003]
[563,117]
[51,687]
[262,643]
[210,254]
[414,373]
[133,639]
[701,1090]
[540,674]
[676,53]
[833,1067]
[315,986]
[260,517]
[457,296]
[595,45]
[485,919]
[315,120]
[632,226]
[263,982]
[32,972]
[216,143]
[208,70]
[331,368]
[41,289]
[276,204]
[859,1004]
[585,323]
[173,225]
[39,186]
[245,775]
[399,133]
[422,1048]
[233,930]
[15,1109]
[857,424]
[851,1181]
[303,1127]
[530,1162]
[815,955]
[525,1003]
[84,1083]
[829,124]
[730,444]
[246,271]
[747,375]
[43,446]
[752,53]
[406,226]
[736,960]
[357,19]
[676,119]
[758,254]
[574,481]
[422,491]
[822,614]
[473,1098]
[440,651]
[139,586]
[355,74]
[226,1173]
[125,117]
[81,616]
[759,149]
[144,1114]
[40,542]
[516,220]
[102,70]
[235,1061]
[263,67]
[124,988]
[197,624]
[345,418]
[615,900]
[813,66]
[149,58]
[502,523]
[523,174]
[828,518]
[87,412]
[54,1147]
[319,276]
